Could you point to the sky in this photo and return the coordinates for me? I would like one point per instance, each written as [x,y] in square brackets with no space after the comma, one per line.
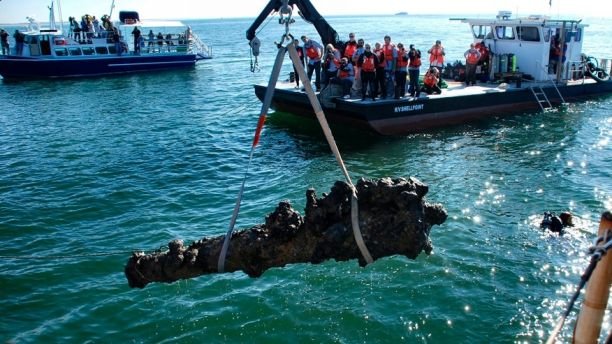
[16,11]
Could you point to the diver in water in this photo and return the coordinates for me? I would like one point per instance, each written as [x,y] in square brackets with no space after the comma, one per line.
[556,223]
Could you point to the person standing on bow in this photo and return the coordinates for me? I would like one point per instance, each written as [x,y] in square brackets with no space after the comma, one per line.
[436,58]
[401,71]
[314,52]
[350,47]
[414,67]
[367,63]
[472,56]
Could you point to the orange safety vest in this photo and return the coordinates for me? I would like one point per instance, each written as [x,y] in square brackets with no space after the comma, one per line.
[350,49]
[430,79]
[343,73]
[368,64]
[312,52]
[472,58]
[400,58]
[388,50]
[415,62]
[436,55]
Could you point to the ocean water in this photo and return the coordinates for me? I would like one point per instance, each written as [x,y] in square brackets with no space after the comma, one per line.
[92,169]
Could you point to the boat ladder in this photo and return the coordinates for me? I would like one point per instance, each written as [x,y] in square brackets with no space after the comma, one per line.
[541,97]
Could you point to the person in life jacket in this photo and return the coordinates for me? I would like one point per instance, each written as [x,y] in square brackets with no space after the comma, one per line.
[390,60]
[331,62]
[345,77]
[302,55]
[350,47]
[555,53]
[314,51]
[436,57]
[414,67]
[381,81]
[472,56]
[401,71]
[367,62]
[430,81]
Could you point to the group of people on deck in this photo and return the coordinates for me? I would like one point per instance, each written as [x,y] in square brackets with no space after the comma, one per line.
[372,71]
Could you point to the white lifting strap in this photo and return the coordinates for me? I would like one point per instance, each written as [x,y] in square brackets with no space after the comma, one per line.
[316,105]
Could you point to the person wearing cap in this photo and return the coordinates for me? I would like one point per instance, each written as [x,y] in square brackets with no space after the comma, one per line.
[436,57]
[4,42]
[314,52]
[414,67]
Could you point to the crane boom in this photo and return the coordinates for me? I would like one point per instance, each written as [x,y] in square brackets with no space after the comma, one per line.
[308,12]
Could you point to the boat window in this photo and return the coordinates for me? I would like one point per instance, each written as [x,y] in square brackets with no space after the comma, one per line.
[482,31]
[111,49]
[578,34]
[88,51]
[504,32]
[31,39]
[61,52]
[528,33]
[101,51]
[547,34]
[75,51]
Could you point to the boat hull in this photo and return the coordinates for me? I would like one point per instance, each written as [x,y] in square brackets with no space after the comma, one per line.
[398,117]
[15,67]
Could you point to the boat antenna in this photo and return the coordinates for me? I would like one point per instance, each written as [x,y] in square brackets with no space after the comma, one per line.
[51,17]
[59,11]
[110,15]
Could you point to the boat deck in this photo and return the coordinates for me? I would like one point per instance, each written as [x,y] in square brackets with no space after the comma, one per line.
[453,89]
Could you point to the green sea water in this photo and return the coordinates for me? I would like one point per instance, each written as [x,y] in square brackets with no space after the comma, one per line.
[92,169]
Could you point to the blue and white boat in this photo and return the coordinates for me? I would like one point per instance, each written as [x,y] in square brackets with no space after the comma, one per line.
[50,53]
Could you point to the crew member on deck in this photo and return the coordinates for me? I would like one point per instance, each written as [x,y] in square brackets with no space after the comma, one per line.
[401,71]
[472,56]
[136,33]
[4,41]
[414,67]
[367,64]
[302,55]
[436,58]
[430,81]
[314,51]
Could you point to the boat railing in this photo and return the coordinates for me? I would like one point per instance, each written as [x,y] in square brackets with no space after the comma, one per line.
[198,47]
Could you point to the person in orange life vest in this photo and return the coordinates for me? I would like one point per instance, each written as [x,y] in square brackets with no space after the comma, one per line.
[436,57]
[472,56]
[330,64]
[381,81]
[484,53]
[390,60]
[350,47]
[430,81]
[345,77]
[314,51]
[367,62]
[414,67]
[302,55]
[401,71]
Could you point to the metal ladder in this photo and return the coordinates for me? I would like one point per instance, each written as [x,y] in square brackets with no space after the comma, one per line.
[541,97]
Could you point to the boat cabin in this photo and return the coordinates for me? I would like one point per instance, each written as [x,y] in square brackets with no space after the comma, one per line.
[536,46]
